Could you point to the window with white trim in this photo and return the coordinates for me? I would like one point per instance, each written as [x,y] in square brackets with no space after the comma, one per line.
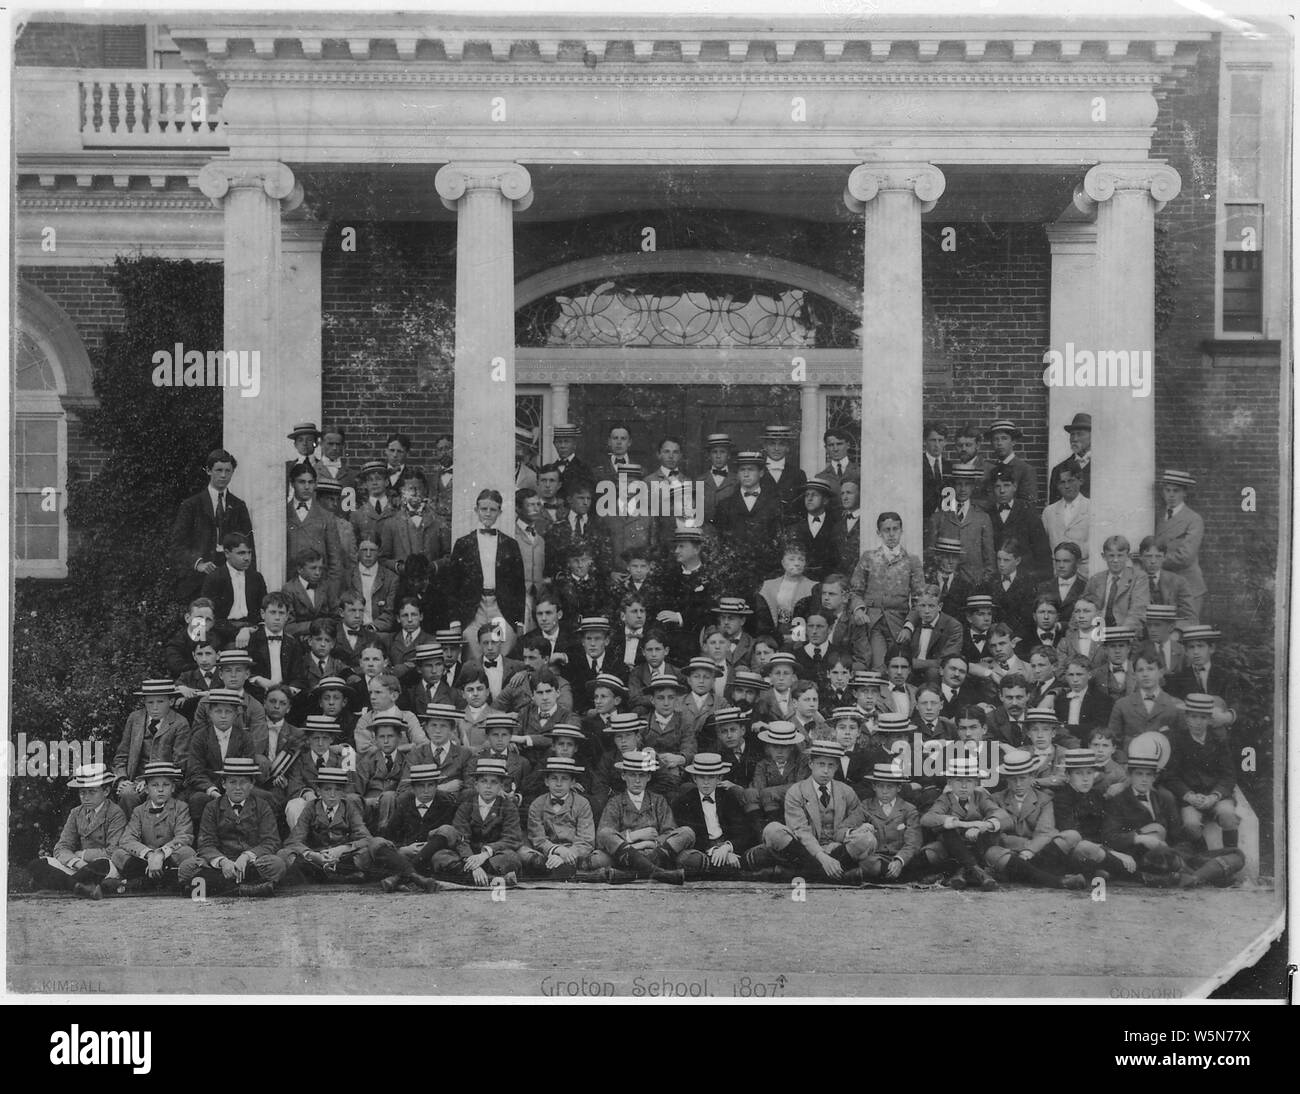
[40,461]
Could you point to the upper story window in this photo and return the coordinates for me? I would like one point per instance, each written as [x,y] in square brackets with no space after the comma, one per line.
[40,460]
[1243,208]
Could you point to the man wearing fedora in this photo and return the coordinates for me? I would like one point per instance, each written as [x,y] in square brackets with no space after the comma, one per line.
[1179,530]
[239,840]
[1003,435]
[1079,460]
[722,833]
[825,834]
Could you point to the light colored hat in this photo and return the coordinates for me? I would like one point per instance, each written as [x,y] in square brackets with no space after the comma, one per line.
[500,721]
[1199,703]
[891,721]
[330,683]
[748,678]
[424,773]
[667,680]
[523,435]
[388,718]
[718,440]
[561,765]
[829,749]
[240,765]
[444,711]
[566,729]
[225,695]
[320,723]
[607,680]
[708,763]
[781,658]
[631,470]
[888,773]
[328,486]
[335,775]
[778,433]
[1003,425]
[643,761]
[89,776]
[371,467]
[162,769]
[945,546]
[566,429]
[428,651]
[847,712]
[626,722]
[490,765]
[593,623]
[688,535]
[1018,761]
[1178,478]
[156,687]
[732,605]
[303,429]
[751,459]
[449,636]
[820,485]
[1201,632]
[971,474]
[864,678]
[1042,716]
[1161,611]
[780,733]
[963,767]
[978,601]
[1079,759]
[705,663]
[1117,634]
[233,657]
[1150,750]
[729,716]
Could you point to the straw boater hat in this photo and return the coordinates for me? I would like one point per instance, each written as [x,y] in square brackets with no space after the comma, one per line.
[428,651]
[1041,716]
[1018,761]
[303,429]
[781,658]
[631,470]
[500,721]
[667,680]
[374,467]
[90,776]
[225,695]
[1178,478]
[449,636]
[424,773]
[593,623]
[1117,634]
[964,767]
[979,601]
[1199,703]
[1201,632]
[828,749]
[751,459]
[846,712]
[335,775]
[561,765]
[162,769]
[566,430]
[644,761]
[945,546]
[328,486]
[388,718]
[748,678]
[971,474]
[781,733]
[1079,759]
[626,722]
[688,535]
[708,763]
[888,773]
[891,721]
[705,663]
[718,440]
[490,765]
[732,605]
[240,765]
[820,485]
[778,433]
[1002,425]
[728,716]
[233,657]
[330,683]
[864,678]
[156,687]
[1161,611]
[1149,750]
[525,436]
[566,729]
[320,723]
[607,680]
[443,711]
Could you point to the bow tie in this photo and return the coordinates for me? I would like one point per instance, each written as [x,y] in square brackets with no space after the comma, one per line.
[1004,508]
[529,529]
[721,474]
[900,687]
[490,664]
[487,531]
[815,520]
[978,637]
[498,755]
[446,470]
[751,493]
[1046,636]
[273,637]
[707,798]
[633,634]
[550,505]
[311,585]
[154,812]
[559,801]
[237,808]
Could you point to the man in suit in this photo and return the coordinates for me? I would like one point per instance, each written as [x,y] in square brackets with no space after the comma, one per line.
[1180,531]
[375,584]
[572,470]
[201,523]
[1004,435]
[329,464]
[238,837]
[967,524]
[235,589]
[1082,704]
[414,528]
[686,591]
[1164,587]
[1065,584]
[670,491]
[311,525]
[374,506]
[310,598]
[150,734]
[486,574]
[1148,707]
[1116,590]
[945,576]
[825,833]
[212,746]
[579,526]
[838,464]
[631,527]
[1014,519]
[720,480]
[851,518]
[1069,518]
[619,442]
[594,661]
[749,520]
[272,638]
[722,832]
[1202,676]
[933,467]
[833,600]
[929,636]
[1079,460]
[970,459]
[817,531]
[1013,588]
[957,688]
[779,476]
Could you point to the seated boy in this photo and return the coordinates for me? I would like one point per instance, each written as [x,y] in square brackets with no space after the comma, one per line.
[1141,818]
[1201,676]
[966,819]
[854,768]
[381,772]
[637,835]
[331,843]
[193,684]
[423,823]
[500,729]
[566,741]
[233,669]
[276,654]
[384,692]
[1148,707]
[212,747]
[666,732]
[825,834]
[1081,815]
[1048,757]
[738,746]
[82,857]
[622,735]
[488,836]
[159,833]
[722,834]
[1030,848]
[1112,776]
[150,735]
[896,822]
[200,626]
[806,718]
[561,828]
[238,838]
[838,690]
[1115,674]
[442,728]
[310,597]
[319,662]
[782,767]
[1082,704]
[236,591]
[1201,773]
[430,687]
[321,734]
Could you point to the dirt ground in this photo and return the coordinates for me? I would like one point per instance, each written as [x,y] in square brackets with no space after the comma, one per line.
[721,941]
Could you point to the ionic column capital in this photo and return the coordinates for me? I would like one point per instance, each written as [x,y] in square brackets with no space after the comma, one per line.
[218,178]
[923,180]
[454,180]
[1105,180]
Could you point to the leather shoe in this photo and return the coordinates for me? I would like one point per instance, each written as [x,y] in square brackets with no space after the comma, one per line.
[391,884]
[669,877]
[89,892]
[257,888]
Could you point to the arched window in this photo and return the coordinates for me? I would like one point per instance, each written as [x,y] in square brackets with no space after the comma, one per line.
[51,372]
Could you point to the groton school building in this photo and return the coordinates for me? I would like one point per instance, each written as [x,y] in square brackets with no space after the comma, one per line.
[455,225]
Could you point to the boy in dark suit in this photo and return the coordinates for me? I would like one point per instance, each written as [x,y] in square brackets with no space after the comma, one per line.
[896,822]
[486,576]
[374,508]
[238,838]
[233,670]
[1065,584]
[1029,848]
[1201,676]
[487,830]
[214,743]
[1012,589]
[276,655]
[818,531]
[309,596]
[637,833]
[150,735]
[855,764]
[82,857]
[382,771]
[561,828]
[749,520]
[443,748]
[737,746]
[1006,461]
[203,520]
[422,824]
[1141,818]
[1201,773]
[323,750]
[159,834]
[311,525]
[235,589]
[200,626]
[1082,705]
[500,729]
[953,587]
[722,833]
[1015,518]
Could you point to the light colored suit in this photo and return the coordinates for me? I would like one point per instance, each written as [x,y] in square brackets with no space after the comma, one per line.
[978,560]
[317,529]
[1181,538]
[400,538]
[1074,529]
[1130,597]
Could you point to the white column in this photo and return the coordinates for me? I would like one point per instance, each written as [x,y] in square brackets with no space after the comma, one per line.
[1126,197]
[300,314]
[892,197]
[1073,319]
[253,195]
[811,452]
[485,197]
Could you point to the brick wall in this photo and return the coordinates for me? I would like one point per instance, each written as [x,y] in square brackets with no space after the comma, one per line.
[76,45]
[85,294]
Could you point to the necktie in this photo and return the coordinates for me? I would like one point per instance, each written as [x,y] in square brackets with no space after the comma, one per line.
[221,511]
[962,802]
[388,764]
[378,504]
[1004,508]
[151,728]
[961,513]
[1203,676]
[1169,514]
[320,666]
[301,507]
[1155,590]
[237,808]
[978,638]
[816,521]
[530,529]
[1146,804]
[155,812]
[1112,591]
[839,468]
[593,665]
[709,798]
[825,796]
